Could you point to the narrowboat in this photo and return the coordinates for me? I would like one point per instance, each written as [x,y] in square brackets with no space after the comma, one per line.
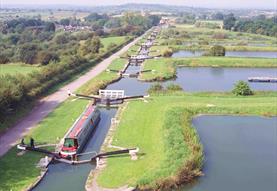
[78,135]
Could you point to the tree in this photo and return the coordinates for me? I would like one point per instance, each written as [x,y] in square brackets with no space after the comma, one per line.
[167,53]
[61,39]
[49,27]
[229,22]
[95,45]
[4,58]
[28,53]
[216,50]
[218,16]
[113,23]
[91,46]
[242,89]
[65,22]
[46,57]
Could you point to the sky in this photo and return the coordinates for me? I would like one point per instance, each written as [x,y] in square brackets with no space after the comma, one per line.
[271,4]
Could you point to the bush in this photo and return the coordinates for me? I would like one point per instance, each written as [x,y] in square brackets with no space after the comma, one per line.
[111,46]
[216,50]
[168,53]
[242,89]
[157,87]
[46,57]
[174,87]
[4,59]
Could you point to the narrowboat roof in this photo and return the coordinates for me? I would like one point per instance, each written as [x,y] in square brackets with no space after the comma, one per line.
[81,121]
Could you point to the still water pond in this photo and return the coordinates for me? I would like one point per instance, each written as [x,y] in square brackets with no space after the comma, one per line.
[202,79]
[253,54]
[240,153]
[65,177]
[222,79]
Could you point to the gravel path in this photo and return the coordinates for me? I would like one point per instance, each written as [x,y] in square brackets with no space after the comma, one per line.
[49,103]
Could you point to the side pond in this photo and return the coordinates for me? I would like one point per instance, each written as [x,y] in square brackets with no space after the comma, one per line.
[240,153]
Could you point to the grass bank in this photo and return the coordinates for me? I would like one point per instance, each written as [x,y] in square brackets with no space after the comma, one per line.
[161,128]
[17,68]
[165,68]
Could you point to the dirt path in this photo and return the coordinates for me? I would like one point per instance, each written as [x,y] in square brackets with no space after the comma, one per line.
[49,103]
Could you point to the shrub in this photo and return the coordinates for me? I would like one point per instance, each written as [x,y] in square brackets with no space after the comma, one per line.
[45,57]
[242,88]
[216,50]
[174,87]
[4,59]
[157,87]
[167,53]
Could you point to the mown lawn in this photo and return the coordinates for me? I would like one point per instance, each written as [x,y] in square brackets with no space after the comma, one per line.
[17,172]
[165,68]
[145,125]
[16,68]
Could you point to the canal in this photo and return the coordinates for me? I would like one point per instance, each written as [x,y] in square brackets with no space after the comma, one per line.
[65,177]
[237,149]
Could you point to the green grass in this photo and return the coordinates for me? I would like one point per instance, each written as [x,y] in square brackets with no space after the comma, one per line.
[16,68]
[165,68]
[109,40]
[18,172]
[145,125]
[104,78]
[56,124]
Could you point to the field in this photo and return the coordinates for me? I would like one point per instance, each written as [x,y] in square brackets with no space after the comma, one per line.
[145,125]
[188,37]
[112,40]
[165,68]
[45,15]
[16,69]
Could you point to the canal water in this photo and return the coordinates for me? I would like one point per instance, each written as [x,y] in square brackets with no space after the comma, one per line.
[65,177]
[240,153]
[252,54]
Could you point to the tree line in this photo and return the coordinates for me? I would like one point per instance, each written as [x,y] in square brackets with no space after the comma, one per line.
[64,55]
[257,25]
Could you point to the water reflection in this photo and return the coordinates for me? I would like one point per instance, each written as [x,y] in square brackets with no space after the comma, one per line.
[252,54]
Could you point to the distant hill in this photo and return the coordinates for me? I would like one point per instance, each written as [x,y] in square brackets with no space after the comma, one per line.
[109,8]
[126,7]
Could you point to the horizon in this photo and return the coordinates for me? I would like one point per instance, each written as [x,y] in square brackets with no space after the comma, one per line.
[247,4]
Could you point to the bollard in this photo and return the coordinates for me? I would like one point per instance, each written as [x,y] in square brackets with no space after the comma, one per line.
[97,162]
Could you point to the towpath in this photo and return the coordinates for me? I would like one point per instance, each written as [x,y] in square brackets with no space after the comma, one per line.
[49,103]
